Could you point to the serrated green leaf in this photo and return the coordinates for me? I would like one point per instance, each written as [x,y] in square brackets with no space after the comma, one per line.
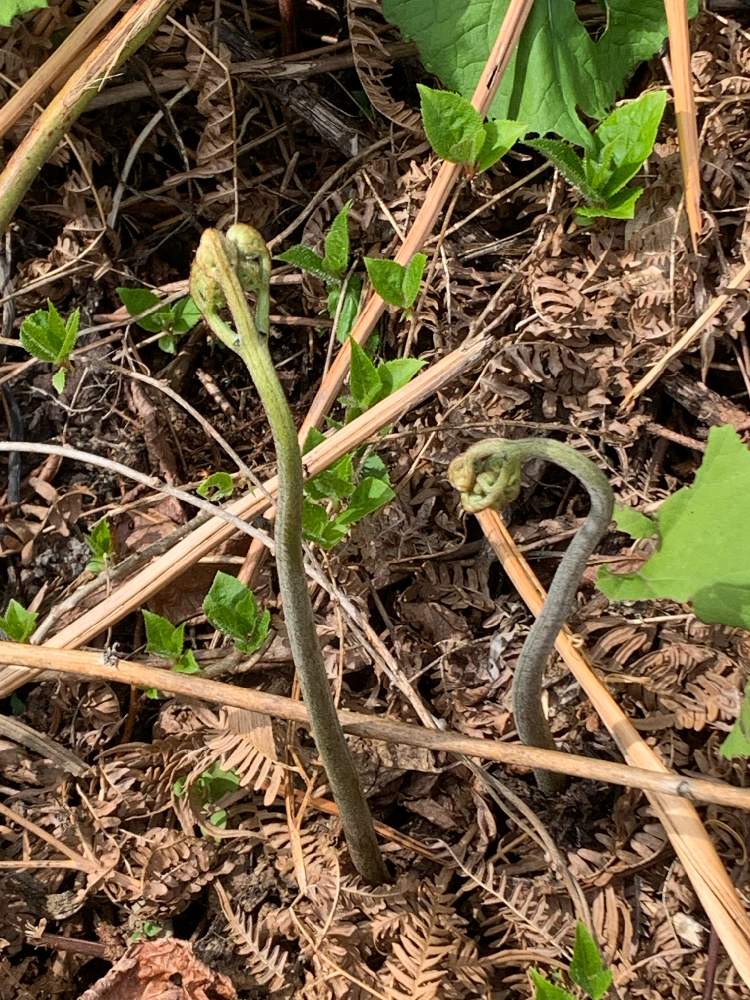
[364,381]
[99,540]
[18,623]
[375,467]
[162,637]
[500,135]
[557,69]
[13,8]
[318,527]
[72,324]
[231,607]
[336,244]
[370,495]
[45,336]
[334,483]
[626,138]
[620,206]
[412,279]
[453,127]
[387,278]
[185,314]
[632,522]
[186,663]
[545,990]
[586,967]
[138,300]
[217,486]
[59,379]
[349,309]
[395,374]
[307,260]
[569,163]
[737,743]
[704,532]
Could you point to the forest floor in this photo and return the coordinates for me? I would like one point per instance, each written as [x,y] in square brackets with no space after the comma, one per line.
[489,876]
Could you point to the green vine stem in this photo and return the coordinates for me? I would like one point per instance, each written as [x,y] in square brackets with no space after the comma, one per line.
[224,268]
[489,475]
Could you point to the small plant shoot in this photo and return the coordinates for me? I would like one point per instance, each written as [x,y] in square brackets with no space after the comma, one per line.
[46,336]
[332,270]
[167,640]
[231,608]
[18,623]
[170,321]
[147,931]
[395,284]
[216,487]
[457,133]
[100,546]
[620,147]
[586,970]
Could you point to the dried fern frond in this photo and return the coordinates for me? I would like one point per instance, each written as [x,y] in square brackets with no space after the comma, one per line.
[266,960]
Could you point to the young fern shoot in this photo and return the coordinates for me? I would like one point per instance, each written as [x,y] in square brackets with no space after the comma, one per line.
[223,270]
[489,475]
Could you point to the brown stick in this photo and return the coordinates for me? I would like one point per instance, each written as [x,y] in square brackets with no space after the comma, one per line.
[111,669]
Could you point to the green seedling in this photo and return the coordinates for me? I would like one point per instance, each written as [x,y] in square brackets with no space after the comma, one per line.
[370,384]
[395,284]
[100,546]
[621,145]
[147,931]
[170,321]
[586,970]
[168,641]
[218,486]
[209,788]
[13,8]
[560,77]
[18,623]
[231,608]
[332,269]
[456,132]
[46,336]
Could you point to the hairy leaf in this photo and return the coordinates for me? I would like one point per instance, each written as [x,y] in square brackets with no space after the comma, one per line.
[231,607]
[46,336]
[569,163]
[626,138]
[307,260]
[545,990]
[586,967]
[454,128]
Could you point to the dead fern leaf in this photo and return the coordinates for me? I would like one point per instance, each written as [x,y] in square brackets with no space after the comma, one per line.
[266,960]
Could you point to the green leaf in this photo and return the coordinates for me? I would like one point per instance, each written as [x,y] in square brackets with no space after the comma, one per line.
[18,623]
[186,663]
[307,260]
[397,373]
[17,705]
[375,467]
[214,783]
[370,495]
[364,381]
[152,693]
[737,743]
[12,8]
[99,542]
[619,206]
[586,967]
[138,300]
[162,637]
[704,550]
[499,136]
[626,138]
[412,279]
[313,439]
[387,278]
[218,818]
[47,337]
[545,990]
[632,522]
[336,259]
[217,486]
[570,165]
[231,607]
[178,788]
[557,69]
[319,528]
[454,128]
[185,314]
[59,379]
[348,312]
[334,483]
[167,343]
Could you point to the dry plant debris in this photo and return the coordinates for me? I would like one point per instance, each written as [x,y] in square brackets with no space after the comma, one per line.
[154,873]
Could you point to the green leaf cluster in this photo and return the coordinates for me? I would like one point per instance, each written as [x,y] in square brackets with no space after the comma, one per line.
[12,8]
[456,132]
[211,786]
[18,623]
[147,931]
[332,269]
[558,77]
[586,970]
[99,541]
[218,486]
[170,321]
[370,384]
[395,284]
[168,640]
[619,147]
[231,608]
[48,337]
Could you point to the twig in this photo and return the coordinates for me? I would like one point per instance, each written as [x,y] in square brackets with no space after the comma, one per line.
[19,732]
[103,666]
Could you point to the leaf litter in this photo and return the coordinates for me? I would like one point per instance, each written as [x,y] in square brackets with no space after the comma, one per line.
[245,885]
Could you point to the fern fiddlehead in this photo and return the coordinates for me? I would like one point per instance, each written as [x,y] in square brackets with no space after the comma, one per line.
[489,475]
[223,269]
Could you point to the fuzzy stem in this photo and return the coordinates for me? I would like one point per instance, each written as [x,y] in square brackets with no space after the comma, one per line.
[215,280]
[489,475]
